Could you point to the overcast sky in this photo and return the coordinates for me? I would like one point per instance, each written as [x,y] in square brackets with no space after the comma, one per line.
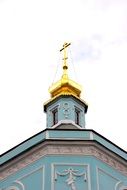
[31,34]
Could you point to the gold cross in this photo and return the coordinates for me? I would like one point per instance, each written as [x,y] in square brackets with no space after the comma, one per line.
[65,45]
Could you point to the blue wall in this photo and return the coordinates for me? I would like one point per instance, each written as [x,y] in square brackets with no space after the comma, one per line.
[46,174]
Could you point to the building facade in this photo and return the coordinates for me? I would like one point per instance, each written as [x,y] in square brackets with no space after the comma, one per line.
[65,156]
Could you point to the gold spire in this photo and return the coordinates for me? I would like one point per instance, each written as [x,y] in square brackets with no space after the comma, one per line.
[65,86]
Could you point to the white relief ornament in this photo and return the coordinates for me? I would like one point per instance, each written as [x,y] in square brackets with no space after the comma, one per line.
[66,109]
[72,174]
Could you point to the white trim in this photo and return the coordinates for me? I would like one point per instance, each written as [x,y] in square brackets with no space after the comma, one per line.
[97,174]
[53,108]
[87,166]
[14,186]
[97,178]
[79,109]
[117,184]
[47,134]
[91,135]
[43,178]
[28,174]
[120,186]
[66,121]
[20,183]
[89,177]
[115,178]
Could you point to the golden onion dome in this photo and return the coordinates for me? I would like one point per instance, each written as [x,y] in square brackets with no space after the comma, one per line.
[65,86]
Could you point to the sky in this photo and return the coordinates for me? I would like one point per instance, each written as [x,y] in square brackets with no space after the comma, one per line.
[31,35]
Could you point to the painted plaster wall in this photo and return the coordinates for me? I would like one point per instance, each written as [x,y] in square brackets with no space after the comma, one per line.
[48,174]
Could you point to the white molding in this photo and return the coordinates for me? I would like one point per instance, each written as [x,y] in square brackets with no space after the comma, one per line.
[53,108]
[20,183]
[14,186]
[97,174]
[91,135]
[120,186]
[117,184]
[37,169]
[43,178]
[47,134]
[33,171]
[66,121]
[26,175]
[97,178]
[102,170]
[87,166]
[89,177]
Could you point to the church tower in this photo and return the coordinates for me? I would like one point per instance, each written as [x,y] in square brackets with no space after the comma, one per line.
[65,106]
[65,156]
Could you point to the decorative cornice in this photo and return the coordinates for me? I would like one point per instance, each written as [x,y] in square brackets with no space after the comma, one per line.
[82,148]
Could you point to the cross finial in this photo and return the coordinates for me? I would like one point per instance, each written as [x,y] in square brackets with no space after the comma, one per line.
[65,67]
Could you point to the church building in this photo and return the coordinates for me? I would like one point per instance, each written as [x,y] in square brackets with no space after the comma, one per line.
[66,155]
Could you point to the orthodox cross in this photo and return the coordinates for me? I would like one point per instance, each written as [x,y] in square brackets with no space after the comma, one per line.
[65,67]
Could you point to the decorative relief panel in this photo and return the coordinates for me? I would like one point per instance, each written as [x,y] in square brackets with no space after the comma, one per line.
[70,177]
[66,110]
